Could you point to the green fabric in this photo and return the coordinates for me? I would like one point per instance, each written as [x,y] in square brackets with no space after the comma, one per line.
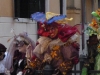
[84,71]
[89,30]
[94,14]
[97,63]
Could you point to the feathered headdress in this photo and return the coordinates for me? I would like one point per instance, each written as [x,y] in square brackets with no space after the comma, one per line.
[55,20]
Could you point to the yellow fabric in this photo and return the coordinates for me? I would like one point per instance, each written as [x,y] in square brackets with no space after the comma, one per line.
[50,15]
[63,21]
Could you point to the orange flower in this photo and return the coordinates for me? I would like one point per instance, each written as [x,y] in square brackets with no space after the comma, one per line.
[94,24]
[62,64]
[53,54]
[56,47]
[98,12]
[32,64]
[98,46]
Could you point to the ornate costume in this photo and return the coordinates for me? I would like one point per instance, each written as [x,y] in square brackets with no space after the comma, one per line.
[56,52]
[93,30]
[57,44]
[19,52]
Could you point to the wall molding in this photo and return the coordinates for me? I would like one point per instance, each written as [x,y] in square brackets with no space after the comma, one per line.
[16,20]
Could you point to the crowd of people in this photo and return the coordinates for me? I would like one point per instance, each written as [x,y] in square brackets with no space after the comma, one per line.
[56,48]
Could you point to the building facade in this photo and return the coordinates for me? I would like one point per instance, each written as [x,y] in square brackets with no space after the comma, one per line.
[12,17]
[15,14]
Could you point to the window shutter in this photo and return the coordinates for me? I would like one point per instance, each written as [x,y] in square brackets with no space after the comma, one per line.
[17,8]
[24,8]
[33,6]
[98,3]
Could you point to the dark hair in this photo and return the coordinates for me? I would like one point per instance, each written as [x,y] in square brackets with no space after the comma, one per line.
[2,48]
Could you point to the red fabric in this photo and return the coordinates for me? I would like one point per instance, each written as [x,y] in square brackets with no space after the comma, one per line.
[79,28]
[75,60]
[24,71]
[33,58]
[75,45]
[66,32]
[42,32]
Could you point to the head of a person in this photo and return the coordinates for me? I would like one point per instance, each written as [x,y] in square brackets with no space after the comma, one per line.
[22,41]
[53,31]
[19,42]
[49,30]
[2,51]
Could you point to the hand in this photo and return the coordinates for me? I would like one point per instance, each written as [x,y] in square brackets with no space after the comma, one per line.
[29,47]
[29,51]
[7,72]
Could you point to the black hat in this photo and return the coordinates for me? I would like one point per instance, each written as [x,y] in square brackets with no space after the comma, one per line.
[2,48]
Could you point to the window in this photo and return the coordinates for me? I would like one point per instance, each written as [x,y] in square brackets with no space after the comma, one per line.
[24,8]
[98,3]
[61,6]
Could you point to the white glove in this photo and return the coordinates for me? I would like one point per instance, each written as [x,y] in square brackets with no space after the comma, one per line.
[20,73]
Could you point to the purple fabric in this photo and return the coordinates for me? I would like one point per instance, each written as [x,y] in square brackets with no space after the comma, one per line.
[69,55]
[69,52]
[12,48]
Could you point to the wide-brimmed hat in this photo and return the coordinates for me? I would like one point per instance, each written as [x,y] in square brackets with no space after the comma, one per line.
[55,20]
[50,17]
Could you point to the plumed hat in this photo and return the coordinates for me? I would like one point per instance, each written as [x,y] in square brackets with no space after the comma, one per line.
[48,19]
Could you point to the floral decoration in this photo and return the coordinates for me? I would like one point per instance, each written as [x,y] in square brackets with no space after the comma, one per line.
[56,47]
[53,54]
[98,48]
[94,26]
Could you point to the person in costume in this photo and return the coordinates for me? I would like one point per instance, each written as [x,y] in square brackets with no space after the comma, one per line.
[3,69]
[19,53]
[57,44]
[97,26]
[93,30]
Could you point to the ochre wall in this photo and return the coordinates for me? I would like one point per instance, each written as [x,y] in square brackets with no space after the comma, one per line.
[77,4]
[75,14]
[6,8]
[54,6]
[70,3]
[74,11]
[89,9]
[95,4]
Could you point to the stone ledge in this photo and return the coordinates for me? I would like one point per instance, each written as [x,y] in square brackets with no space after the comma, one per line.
[16,20]
[73,11]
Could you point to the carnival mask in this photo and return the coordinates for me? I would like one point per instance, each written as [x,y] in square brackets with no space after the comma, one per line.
[53,31]
[20,42]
